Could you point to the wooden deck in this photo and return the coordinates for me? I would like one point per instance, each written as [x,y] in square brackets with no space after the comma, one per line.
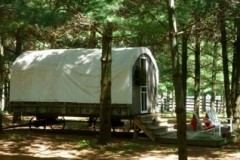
[203,139]
[162,130]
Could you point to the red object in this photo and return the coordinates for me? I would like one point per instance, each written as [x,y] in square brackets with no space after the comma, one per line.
[208,124]
[194,122]
[206,121]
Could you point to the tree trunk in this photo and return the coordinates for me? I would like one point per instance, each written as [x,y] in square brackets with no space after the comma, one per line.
[214,74]
[105,98]
[184,65]
[1,67]
[19,42]
[18,51]
[1,81]
[177,81]
[1,121]
[236,71]
[222,20]
[197,52]
[197,91]
[92,42]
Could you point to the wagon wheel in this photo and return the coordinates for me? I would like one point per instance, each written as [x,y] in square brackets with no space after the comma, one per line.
[96,124]
[127,126]
[37,124]
[58,123]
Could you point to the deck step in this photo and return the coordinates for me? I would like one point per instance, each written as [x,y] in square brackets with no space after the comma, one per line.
[160,127]
[152,117]
[153,125]
[158,134]
[162,131]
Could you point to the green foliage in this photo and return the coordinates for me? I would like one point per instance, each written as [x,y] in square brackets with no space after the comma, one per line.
[87,143]
[68,24]
[102,11]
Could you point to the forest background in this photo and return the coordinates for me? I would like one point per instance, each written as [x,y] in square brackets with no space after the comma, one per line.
[208,37]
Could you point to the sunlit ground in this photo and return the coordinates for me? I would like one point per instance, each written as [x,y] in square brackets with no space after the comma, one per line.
[23,144]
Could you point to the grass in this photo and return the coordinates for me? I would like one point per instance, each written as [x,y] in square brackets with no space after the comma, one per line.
[91,143]
[13,137]
[119,147]
[17,137]
[131,146]
[87,143]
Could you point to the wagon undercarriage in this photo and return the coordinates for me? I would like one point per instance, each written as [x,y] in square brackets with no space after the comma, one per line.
[41,122]
[65,109]
[46,115]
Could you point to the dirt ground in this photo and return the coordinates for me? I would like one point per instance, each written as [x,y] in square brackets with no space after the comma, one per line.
[24,144]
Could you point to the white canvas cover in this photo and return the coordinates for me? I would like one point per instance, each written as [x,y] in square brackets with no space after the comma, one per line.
[72,75]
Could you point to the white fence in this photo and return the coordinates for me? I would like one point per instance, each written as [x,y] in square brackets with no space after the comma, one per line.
[168,104]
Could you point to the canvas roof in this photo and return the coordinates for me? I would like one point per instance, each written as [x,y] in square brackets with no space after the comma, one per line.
[72,75]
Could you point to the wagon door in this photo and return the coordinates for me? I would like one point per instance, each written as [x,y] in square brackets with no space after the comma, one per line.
[141,101]
[143,86]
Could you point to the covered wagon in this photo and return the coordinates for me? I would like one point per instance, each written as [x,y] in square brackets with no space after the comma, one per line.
[66,82]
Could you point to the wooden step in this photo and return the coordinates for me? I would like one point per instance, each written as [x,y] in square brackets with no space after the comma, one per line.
[147,121]
[153,125]
[160,122]
[163,129]
[143,127]
[149,117]
[158,134]
[156,126]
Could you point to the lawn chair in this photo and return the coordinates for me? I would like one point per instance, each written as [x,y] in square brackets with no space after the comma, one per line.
[198,127]
[212,116]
